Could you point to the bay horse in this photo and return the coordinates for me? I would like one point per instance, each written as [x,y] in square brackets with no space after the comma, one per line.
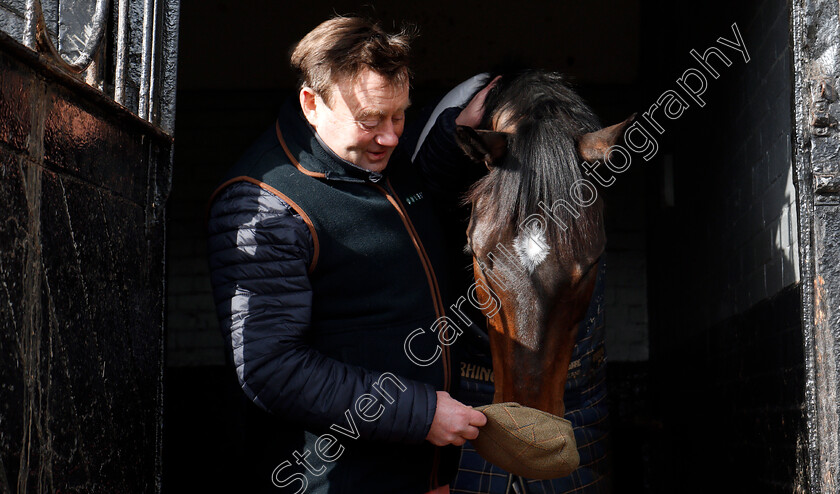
[536,230]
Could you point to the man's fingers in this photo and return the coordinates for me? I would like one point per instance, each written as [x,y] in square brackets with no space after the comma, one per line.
[454,423]
[492,83]
[473,112]
[470,433]
[482,95]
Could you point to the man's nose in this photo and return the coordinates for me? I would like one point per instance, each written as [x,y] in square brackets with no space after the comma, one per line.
[388,137]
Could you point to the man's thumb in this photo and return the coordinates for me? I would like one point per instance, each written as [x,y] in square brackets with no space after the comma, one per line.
[477,418]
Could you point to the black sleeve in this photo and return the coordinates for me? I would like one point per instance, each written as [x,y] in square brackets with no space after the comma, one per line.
[259,252]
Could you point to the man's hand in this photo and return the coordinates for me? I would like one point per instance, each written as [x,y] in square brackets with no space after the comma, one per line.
[471,114]
[454,422]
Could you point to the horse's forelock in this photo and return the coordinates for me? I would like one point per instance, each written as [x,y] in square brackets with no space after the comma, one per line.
[542,162]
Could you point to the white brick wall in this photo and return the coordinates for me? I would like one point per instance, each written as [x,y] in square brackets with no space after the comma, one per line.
[761,233]
[192,331]
[626,297]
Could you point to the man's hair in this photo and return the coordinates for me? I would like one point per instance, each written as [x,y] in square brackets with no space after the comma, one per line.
[342,47]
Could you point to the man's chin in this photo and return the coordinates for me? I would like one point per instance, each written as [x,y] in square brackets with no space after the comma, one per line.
[377,167]
[377,164]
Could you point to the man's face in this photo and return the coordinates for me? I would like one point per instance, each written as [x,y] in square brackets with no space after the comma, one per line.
[363,121]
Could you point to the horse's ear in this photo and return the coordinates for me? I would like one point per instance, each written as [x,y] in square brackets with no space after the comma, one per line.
[594,145]
[483,146]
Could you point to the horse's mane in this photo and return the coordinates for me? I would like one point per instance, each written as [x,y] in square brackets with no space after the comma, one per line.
[542,161]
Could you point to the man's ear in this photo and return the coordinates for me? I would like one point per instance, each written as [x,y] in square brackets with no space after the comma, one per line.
[594,145]
[482,146]
[309,104]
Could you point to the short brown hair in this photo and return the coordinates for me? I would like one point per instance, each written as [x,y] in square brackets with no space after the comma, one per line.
[344,46]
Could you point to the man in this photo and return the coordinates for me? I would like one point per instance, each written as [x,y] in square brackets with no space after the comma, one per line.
[324,257]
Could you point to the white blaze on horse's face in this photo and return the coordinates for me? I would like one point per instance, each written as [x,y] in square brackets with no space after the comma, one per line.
[531,247]
[525,334]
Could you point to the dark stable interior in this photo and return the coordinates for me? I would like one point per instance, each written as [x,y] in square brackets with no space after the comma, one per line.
[704,339]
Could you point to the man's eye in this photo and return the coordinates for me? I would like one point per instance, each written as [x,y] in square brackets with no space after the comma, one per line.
[368,124]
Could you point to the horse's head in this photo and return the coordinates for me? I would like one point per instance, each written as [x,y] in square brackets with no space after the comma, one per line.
[536,231]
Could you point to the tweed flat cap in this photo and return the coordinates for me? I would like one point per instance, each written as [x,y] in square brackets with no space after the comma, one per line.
[527,442]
